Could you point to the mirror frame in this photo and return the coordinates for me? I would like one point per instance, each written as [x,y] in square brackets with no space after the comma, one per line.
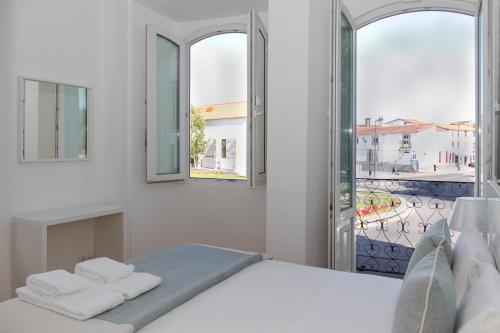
[20,121]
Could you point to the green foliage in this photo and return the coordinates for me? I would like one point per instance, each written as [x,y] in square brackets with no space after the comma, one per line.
[199,143]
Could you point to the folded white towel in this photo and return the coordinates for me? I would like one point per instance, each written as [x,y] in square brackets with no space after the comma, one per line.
[56,283]
[135,284]
[81,305]
[103,270]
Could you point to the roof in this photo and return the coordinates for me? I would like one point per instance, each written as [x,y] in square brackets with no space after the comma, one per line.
[459,127]
[408,120]
[392,129]
[414,126]
[223,111]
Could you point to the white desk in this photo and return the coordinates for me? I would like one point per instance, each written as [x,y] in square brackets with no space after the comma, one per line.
[60,238]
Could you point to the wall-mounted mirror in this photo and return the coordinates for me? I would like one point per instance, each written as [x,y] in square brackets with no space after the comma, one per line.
[54,121]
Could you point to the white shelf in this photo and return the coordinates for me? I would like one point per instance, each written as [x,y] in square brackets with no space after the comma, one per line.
[60,238]
[70,214]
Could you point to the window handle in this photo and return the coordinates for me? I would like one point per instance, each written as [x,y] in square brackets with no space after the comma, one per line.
[258,101]
[257,113]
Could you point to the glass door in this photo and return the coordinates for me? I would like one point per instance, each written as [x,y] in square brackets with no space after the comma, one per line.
[342,141]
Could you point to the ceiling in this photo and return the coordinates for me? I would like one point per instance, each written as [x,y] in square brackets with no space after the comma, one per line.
[192,10]
[363,11]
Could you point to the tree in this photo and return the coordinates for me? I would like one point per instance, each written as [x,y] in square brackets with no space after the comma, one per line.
[199,143]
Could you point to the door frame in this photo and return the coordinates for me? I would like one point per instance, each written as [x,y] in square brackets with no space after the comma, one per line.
[339,9]
[485,141]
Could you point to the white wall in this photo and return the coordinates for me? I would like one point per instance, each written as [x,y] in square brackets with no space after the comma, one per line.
[229,129]
[165,214]
[101,44]
[317,136]
[68,41]
[298,130]
[7,138]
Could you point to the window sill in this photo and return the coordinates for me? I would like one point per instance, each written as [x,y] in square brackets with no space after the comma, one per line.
[225,183]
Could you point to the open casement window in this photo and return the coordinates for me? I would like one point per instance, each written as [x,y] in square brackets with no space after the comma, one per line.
[495,47]
[169,103]
[166,120]
[342,175]
[487,89]
[258,97]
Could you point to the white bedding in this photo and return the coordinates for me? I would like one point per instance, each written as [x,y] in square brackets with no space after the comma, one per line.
[269,296]
[273,296]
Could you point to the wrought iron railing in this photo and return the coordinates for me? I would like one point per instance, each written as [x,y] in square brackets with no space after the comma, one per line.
[392,214]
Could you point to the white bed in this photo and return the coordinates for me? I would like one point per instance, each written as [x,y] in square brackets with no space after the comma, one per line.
[269,296]
[274,296]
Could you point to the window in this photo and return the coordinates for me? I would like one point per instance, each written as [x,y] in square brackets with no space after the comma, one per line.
[218,101]
[224,151]
[375,140]
[223,105]
[165,139]
[406,140]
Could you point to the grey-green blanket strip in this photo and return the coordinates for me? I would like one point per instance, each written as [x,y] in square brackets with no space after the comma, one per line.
[186,271]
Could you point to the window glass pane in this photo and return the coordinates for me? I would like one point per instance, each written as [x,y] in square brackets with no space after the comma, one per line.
[218,100]
[346,115]
[167,107]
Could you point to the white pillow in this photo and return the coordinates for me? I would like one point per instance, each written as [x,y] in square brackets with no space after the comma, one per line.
[480,309]
[471,249]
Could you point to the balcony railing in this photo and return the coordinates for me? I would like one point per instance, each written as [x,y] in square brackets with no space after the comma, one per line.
[393,214]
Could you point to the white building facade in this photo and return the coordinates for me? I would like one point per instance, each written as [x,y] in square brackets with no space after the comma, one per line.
[226,130]
[407,145]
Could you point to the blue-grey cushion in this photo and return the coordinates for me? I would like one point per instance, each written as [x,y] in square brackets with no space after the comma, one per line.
[438,233]
[427,300]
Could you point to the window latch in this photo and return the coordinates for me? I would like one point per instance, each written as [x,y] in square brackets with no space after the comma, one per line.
[258,101]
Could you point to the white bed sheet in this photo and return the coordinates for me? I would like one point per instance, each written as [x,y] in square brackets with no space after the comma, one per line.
[274,296]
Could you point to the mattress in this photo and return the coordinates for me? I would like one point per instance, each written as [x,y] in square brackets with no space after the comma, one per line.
[274,296]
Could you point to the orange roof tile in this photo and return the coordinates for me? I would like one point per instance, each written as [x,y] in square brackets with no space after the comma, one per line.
[223,111]
[462,127]
[408,120]
[392,129]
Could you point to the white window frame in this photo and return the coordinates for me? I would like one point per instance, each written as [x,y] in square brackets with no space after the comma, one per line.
[402,7]
[495,46]
[253,180]
[152,174]
[485,140]
[189,41]
[184,102]
[258,108]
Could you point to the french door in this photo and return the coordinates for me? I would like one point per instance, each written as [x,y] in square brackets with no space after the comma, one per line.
[487,93]
[342,246]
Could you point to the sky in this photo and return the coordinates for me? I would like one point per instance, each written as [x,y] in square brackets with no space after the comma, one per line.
[418,65]
[219,70]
